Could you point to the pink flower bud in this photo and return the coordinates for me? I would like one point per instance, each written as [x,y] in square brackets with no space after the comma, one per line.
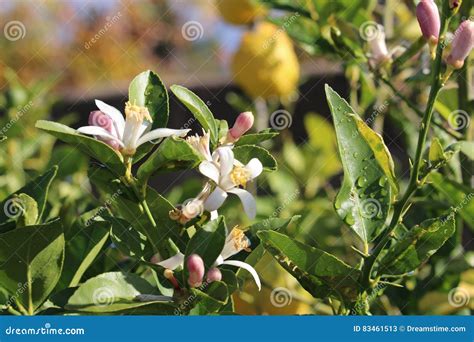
[243,123]
[428,17]
[214,274]
[195,266]
[97,118]
[462,45]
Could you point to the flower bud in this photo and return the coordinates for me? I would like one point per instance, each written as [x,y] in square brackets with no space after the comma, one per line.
[428,17]
[462,44]
[195,266]
[378,47]
[99,119]
[214,274]
[243,123]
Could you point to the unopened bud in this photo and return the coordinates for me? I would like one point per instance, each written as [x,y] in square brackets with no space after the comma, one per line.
[214,274]
[195,266]
[243,123]
[462,45]
[99,119]
[428,17]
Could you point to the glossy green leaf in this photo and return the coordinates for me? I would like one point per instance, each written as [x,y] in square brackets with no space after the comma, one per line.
[457,195]
[466,147]
[173,154]
[319,272]
[31,260]
[199,109]
[245,153]
[113,291]
[147,90]
[82,249]
[37,189]
[207,242]
[28,208]
[210,298]
[417,245]
[364,200]
[256,138]
[92,147]
[129,240]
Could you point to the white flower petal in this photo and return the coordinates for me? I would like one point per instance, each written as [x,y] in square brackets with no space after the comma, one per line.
[215,200]
[209,170]
[98,132]
[114,114]
[250,207]
[161,133]
[173,262]
[214,215]
[255,168]
[226,160]
[246,267]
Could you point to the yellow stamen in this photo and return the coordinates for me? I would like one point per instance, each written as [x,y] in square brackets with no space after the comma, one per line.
[137,113]
[240,176]
[241,242]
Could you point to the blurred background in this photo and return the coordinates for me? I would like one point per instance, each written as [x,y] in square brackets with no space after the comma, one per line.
[58,56]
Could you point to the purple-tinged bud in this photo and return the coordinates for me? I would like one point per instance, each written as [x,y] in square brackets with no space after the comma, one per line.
[195,266]
[98,118]
[214,274]
[243,123]
[462,45]
[428,17]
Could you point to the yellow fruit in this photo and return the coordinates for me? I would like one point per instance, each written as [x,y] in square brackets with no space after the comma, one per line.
[265,64]
[240,12]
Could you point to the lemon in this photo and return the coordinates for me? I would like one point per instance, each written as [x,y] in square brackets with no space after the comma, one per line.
[265,65]
[240,12]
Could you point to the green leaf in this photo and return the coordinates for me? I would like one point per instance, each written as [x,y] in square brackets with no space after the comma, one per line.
[29,210]
[173,154]
[113,291]
[92,147]
[147,90]
[417,246]
[320,273]
[256,138]
[37,189]
[31,260]
[207,242]
[364,199]
[436,153]
[82,249]
[457,195]
[210,298]
[466,147]
[199,109]
[129,240]
[246,152]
